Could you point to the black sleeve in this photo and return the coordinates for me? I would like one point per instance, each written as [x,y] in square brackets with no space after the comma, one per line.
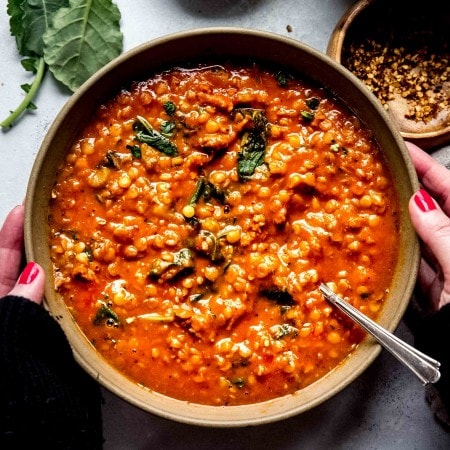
[45,397]
[433,338]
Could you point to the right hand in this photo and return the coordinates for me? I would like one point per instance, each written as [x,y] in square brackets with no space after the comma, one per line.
[429,209]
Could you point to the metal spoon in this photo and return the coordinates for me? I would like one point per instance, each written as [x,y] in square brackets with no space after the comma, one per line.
[424,367]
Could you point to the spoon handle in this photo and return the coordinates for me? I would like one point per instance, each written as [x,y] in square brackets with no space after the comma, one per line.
[424,367]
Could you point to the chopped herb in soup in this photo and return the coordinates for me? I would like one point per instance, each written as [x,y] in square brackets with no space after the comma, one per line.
[196,214]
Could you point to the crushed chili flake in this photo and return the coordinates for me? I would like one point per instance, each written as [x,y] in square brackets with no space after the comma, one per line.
[409,59]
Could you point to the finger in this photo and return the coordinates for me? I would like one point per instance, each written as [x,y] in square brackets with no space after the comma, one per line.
[427,295]
[426,276]
[11,247]
[433,176]
[433,227]
[431,283]
[30,283]
[429,257]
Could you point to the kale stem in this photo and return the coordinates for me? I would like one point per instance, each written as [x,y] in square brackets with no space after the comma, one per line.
[9,121]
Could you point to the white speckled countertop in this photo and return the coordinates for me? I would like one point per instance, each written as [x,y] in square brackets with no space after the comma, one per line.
[385,408]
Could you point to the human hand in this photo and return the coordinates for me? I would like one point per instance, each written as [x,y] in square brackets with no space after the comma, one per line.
[30,283]
[429,209]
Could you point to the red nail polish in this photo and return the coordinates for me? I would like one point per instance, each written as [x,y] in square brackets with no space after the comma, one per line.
[423,200]
[30,272]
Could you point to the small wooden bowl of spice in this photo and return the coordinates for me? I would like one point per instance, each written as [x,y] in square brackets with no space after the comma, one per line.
[402,54]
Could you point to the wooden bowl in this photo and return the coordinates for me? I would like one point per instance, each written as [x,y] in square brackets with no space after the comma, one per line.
[393,24]
[177,49]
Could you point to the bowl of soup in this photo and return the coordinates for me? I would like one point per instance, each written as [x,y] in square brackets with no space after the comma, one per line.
[188,201]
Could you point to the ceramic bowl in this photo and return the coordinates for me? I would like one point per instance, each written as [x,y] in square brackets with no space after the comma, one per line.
[382,20]
[177,49]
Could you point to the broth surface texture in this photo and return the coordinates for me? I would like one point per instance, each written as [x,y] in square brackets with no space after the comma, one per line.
[194,218]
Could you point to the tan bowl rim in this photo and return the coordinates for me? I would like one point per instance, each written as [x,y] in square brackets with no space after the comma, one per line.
[181,411]
[334,50]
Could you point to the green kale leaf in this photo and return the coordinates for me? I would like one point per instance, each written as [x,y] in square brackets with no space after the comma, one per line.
[183,261]
[147,134]
[169,108]
[74,38]
[81,40]
[253,143]
[29,20]
[105,315]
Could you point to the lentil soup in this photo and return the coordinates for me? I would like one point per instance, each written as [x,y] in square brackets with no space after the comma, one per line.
[194,218]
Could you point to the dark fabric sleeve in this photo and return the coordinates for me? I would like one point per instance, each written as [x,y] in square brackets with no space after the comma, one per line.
[433,338]
[46,399]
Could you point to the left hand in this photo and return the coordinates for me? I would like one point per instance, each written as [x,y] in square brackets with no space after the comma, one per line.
[30,283]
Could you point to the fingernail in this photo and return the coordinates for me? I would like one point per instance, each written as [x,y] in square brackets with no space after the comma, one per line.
[30,272]
[423,200]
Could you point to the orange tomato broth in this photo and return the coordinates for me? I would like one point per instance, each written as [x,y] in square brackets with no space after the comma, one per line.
[199,279]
